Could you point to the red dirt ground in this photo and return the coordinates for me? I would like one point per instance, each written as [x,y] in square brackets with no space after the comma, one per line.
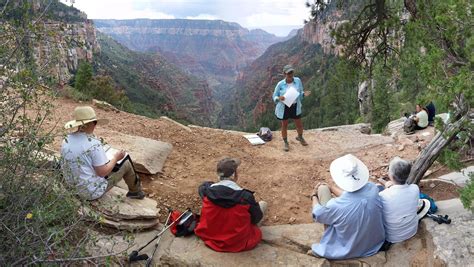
[283,179]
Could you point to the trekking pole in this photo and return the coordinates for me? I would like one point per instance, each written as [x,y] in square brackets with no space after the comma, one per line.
[150,259]
[134,255]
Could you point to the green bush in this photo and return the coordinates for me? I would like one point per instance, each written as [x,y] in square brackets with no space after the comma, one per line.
[467,194]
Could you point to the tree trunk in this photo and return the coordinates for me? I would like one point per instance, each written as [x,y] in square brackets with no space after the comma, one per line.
[431,152]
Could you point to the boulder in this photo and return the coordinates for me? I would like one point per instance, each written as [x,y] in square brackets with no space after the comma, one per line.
[104,105]
[115,205]
[454,243]
[148,155]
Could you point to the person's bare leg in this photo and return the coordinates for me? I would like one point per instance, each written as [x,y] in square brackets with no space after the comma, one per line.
[299,129]
[284,134]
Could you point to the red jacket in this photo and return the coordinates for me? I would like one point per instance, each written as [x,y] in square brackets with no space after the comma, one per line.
[229,216]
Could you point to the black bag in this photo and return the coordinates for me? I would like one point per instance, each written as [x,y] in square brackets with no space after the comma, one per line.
[265,133]
[186,225]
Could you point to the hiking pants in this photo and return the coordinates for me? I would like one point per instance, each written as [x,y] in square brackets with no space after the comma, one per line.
[128,174]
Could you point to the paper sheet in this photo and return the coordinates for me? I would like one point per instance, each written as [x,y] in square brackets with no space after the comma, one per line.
[254,139]
[290,96]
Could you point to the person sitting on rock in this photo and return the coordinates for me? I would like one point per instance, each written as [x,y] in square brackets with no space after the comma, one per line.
[229,214]
[400,203]
[353,218]
[421,117]
[85,164]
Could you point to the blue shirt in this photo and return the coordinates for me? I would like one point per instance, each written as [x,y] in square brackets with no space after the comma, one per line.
[280,89]
[355,225]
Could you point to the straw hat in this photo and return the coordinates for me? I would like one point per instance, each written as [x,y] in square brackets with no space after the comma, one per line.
[84,115]
[349,173]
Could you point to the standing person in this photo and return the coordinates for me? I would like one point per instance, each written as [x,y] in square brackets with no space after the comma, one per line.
[229,215]
[354,217]
[283,112]
[85,164]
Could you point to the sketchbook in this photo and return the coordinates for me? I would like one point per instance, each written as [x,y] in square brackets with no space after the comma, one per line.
[254,139]
[110,152]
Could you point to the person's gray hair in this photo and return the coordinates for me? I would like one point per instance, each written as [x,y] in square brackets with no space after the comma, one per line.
[399,169]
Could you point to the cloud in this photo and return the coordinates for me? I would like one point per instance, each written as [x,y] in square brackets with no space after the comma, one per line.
[203,16]
[267,19]
[248,13]
[117,9]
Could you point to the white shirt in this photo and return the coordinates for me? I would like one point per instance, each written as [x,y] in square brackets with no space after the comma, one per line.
[422,118]
[80,153]
[400,204]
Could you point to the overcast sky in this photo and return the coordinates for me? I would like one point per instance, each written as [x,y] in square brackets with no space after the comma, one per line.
[276,16]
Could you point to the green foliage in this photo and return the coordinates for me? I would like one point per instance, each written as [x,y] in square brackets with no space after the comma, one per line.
[83,77]
[39,218]
[467,194]
[451,159]
[103,88]
[382,100]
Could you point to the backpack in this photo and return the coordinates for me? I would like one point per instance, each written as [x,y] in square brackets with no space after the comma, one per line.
[433,207]
[409,126]
[186,225]
[265,133]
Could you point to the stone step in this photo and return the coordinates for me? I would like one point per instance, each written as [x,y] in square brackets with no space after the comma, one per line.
[115,204]
[454,243]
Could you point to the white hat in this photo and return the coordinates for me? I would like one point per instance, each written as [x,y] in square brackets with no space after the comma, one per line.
[349,173]
[84,115]
[423,207]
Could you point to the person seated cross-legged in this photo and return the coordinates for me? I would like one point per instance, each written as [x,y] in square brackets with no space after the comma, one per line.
[229,214]
[353,219]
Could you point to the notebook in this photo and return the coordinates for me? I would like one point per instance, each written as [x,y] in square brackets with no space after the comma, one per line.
[110,152]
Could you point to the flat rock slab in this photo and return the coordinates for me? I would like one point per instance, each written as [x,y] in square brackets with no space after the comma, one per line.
[148,155]
[130,225]
[454,242]
[111,244]
[300,237]
[459,178]
[116,205]
[191,251]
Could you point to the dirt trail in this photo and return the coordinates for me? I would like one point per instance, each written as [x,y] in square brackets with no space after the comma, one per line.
[283,179]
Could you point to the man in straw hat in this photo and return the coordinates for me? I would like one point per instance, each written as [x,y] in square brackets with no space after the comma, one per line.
[401,203]
[85,164]
[229,214]
[353,218]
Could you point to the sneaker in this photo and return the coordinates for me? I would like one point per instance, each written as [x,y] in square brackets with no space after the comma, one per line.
[286,147]
[302,141]
[137,195]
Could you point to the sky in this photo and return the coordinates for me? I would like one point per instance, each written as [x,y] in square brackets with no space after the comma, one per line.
[275,16]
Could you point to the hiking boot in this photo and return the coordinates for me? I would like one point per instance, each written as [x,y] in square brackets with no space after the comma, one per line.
[137,195]
[302,141]
[286,147]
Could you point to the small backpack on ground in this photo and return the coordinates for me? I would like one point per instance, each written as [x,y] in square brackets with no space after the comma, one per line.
[186,225]
[265,133]
[409,126]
